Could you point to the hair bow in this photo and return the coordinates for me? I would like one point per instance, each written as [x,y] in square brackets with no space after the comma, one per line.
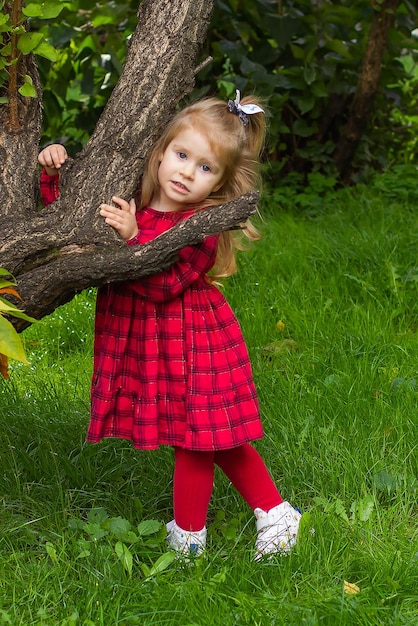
[243,110]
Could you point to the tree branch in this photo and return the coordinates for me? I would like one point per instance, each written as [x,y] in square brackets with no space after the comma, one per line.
[93,265]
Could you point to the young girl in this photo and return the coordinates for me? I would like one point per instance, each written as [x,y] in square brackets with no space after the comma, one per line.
[170,363]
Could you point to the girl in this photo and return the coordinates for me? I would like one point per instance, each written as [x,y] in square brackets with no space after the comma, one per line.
[170,363]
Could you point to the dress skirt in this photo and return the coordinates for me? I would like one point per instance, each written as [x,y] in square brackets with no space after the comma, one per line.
[170,362]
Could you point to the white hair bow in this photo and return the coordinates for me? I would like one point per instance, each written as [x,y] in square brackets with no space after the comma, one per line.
[243,110]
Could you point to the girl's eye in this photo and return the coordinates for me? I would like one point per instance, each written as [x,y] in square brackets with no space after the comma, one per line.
[206,168]
[181,155]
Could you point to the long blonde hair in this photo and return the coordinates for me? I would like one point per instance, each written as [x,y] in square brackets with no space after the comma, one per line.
[238,148]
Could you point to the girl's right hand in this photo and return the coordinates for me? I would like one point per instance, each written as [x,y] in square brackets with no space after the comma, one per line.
[52,157]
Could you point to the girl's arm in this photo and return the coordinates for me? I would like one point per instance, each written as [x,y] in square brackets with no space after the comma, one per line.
[49,186]
[51,158]
[193,262]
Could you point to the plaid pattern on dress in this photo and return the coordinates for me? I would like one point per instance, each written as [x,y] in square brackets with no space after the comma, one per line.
[49,187]
[170,362]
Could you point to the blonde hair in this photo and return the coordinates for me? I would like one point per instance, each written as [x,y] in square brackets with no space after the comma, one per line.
[238,148]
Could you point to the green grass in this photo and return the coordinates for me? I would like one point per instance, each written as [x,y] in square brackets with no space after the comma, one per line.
[338,387]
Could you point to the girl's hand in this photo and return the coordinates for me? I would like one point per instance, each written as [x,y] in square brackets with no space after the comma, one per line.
[52,157]
[121,218]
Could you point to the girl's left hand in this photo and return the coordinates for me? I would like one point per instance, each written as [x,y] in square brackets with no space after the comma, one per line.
[122,217]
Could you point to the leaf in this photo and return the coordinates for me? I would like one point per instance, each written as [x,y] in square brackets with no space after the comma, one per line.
[340,509]
[145,570]
[32,10]
[402,383]
[119,525]
[332,379]
[305,527]
[9,290]
[72,620]
[281,27]
[219,578]
[305,103]
[6,50]
[101,20]
[302,129]
[309,74]
[298,52]
[76,524]
[319,90]
[339,47]
[10,309]
[121,529]
[161,563]
[52,553]
[51,9]
[148,527]
[4,366]
[5,617]
[6,307]
[44,10]
[95,531]
[383,481]
[47,51]
[282,346]
[97,515]
[229,532]
[125,556]
[350,588]
[28,42]
[10,342]
[27,89]
[365,508]
[83,554]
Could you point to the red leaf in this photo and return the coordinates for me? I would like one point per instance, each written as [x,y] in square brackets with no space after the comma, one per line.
[11,291]
[4,366]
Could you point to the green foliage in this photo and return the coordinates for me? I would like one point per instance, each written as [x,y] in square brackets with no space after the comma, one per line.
[10,342]
[122,539]
[398,182]
[404,119]
[309,194]
[305,57]
[87,48]
[90,40]
[15,40]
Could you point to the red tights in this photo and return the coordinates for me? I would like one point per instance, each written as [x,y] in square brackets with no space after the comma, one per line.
[193,482]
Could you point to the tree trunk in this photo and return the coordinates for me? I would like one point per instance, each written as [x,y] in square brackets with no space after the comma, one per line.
[56,252]
[368,85]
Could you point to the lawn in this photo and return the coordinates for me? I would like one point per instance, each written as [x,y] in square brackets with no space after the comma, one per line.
[328,305]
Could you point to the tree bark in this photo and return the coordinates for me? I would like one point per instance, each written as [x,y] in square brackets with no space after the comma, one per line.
[101,264]
[368,85]
[56,252]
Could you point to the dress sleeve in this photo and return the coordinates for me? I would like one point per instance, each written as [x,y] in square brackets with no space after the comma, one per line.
[193,263]
[49,186]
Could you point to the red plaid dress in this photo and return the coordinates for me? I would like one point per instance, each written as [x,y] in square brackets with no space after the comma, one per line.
[170,362]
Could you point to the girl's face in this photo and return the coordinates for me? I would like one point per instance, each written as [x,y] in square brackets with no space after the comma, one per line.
[188,173]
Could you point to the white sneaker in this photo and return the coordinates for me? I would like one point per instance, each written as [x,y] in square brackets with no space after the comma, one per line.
[277,530]
[189,543]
